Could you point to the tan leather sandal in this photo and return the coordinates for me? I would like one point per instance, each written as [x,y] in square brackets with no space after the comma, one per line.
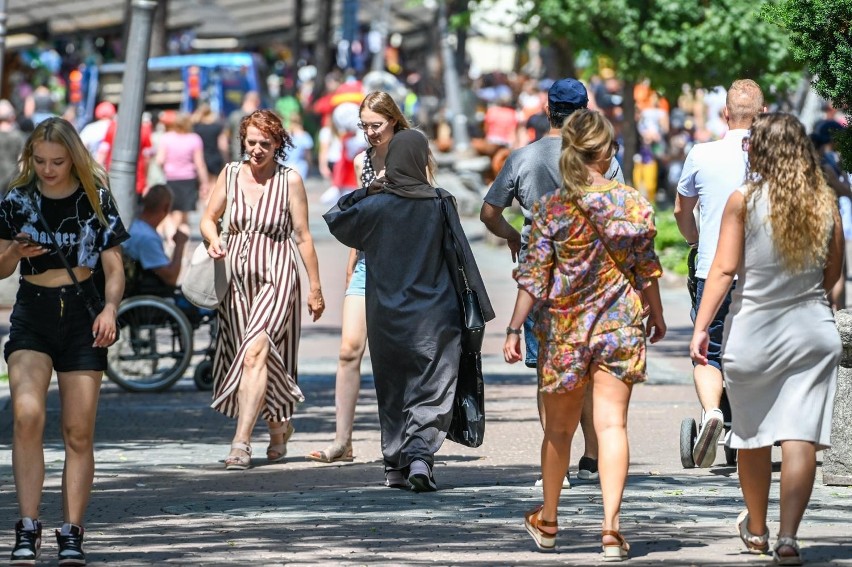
[239,462]
[336,452]
[614,551]
[277,452]
[757,544]
[533,523]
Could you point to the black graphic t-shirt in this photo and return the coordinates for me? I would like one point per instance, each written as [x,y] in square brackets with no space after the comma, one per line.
[80,234]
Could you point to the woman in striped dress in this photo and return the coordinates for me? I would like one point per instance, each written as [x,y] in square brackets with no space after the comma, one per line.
[254,368]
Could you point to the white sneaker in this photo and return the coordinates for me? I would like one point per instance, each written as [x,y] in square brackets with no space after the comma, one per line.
[712,425]
[565,483]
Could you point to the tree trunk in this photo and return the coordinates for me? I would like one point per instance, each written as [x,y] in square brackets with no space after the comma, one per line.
[629,133]
[564,57]
[321,48]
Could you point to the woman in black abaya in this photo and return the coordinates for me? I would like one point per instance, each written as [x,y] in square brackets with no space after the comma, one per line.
[414,318]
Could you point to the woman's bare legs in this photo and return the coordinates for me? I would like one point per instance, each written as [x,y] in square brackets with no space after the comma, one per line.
[563,415]
[798,469]
[754,467]
[348,380]
[347,383]
[78,393]
[611,397]
[29,378]
[252,390]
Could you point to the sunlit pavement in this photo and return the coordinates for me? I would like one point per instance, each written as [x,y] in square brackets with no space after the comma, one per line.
[162,495]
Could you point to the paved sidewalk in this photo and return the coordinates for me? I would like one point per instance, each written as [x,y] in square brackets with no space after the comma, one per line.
[162,496]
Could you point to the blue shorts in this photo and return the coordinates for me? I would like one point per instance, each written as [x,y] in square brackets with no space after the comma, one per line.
[358,281]
[717,326]
[530,342]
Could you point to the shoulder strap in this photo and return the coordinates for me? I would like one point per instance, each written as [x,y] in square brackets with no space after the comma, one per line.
[37,206]
[456,247]
[230,182]
[603,241]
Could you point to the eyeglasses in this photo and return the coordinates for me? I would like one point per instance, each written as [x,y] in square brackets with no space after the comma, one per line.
[746,141]
[371,126]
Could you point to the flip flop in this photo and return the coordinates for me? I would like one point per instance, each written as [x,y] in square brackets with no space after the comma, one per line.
[334,453]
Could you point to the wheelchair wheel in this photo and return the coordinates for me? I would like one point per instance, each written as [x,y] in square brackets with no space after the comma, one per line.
[154,348]
[203,375]
[688,434]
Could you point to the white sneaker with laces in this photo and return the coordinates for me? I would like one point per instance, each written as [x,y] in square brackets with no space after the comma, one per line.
[566,483]
[712,425]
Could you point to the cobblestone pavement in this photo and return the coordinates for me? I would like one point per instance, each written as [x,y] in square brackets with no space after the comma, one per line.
[162,496]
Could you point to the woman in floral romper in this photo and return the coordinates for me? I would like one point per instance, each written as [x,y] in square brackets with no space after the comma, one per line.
[590,267]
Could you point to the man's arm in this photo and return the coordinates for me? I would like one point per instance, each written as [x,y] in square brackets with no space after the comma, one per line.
[686,199]
[169,274]
[492,217]
[683,214]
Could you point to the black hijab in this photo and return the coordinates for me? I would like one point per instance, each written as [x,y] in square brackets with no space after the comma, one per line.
[405,167]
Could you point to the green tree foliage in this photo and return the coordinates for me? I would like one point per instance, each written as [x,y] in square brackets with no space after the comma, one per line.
[821,37]
[670,42]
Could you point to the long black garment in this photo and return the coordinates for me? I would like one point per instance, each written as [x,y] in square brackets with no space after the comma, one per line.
[413,314]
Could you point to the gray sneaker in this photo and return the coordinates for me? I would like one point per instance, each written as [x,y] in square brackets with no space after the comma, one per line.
[704,452]
[420,477]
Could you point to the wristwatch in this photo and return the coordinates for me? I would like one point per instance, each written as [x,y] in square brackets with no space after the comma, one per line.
[511,331]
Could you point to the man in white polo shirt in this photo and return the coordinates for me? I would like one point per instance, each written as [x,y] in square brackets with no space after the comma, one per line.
[712,172]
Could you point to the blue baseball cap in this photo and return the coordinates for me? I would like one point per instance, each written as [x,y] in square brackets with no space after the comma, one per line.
[567,94]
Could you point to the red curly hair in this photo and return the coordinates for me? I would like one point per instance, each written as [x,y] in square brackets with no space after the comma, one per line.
[270,124]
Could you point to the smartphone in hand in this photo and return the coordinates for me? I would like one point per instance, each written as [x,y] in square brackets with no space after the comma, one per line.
[25,239]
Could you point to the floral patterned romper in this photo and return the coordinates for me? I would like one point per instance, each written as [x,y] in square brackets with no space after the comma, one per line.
[587,311]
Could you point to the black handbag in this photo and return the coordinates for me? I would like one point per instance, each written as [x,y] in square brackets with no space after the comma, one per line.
[467,426]
[93,302]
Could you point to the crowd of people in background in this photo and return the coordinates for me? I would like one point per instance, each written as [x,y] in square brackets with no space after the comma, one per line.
[588,299]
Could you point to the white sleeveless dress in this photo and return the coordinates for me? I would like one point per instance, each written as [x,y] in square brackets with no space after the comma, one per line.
[780,349]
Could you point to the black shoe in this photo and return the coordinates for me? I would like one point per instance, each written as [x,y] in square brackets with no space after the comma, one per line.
[70,540]
[420,477]
[588,469]
[27,542]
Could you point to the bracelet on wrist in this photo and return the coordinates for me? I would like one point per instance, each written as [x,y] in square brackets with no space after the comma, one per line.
[511,331]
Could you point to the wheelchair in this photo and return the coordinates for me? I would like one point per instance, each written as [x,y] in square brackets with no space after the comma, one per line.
[689,427]
[158,331]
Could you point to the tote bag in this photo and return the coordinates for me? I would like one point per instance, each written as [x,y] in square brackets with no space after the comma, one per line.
[206,282]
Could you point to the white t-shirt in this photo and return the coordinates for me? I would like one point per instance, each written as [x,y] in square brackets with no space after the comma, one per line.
[712,172]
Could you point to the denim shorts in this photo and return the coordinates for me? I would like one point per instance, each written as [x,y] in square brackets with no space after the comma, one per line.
[358,281]
[717,325]
[54,321]
[530,342]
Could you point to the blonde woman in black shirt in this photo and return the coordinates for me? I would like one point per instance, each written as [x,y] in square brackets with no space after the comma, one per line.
[60,199]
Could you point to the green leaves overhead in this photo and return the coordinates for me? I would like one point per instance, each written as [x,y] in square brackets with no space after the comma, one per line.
[670,42]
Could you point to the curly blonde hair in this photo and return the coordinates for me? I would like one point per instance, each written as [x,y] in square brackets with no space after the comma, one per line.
[587,137]
[784,168]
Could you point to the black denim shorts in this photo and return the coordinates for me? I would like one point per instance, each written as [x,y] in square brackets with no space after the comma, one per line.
[54,320]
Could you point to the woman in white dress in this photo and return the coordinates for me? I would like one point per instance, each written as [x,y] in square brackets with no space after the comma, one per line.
[781,235]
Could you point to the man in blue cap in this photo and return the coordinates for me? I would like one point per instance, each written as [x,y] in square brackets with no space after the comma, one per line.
[528,174]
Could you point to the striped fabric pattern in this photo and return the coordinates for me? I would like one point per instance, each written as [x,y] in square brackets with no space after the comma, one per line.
[264,297]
